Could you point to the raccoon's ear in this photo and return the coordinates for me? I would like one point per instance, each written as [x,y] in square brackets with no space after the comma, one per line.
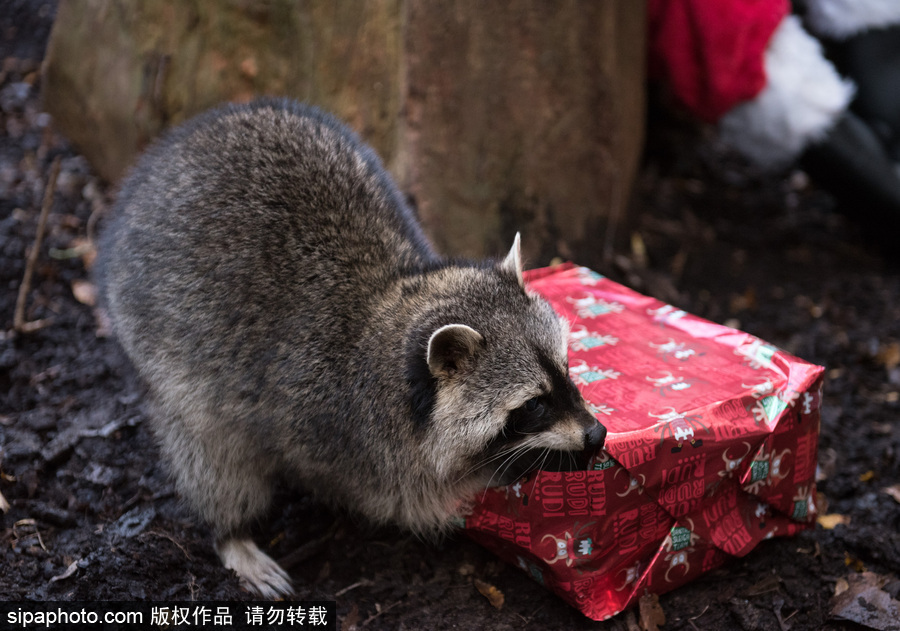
[452,349]
[513,261]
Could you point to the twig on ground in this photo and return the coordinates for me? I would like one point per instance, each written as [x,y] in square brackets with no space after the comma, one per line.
[73,567]
[307,550]
[162,535]
[378,613]
[28,524]
[19,323]
[363,583]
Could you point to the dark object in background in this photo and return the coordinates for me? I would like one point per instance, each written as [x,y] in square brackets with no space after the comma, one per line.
[853,164]
[872,60]
[859,160]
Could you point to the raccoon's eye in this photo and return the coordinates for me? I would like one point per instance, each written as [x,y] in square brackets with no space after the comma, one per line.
[534,406]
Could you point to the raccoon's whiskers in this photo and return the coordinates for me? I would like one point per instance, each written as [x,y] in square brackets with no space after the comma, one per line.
[507,463]
[503,453]
[482,463]
[544,459]
[511,455]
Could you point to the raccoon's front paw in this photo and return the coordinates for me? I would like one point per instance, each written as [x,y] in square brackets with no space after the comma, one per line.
[257,571]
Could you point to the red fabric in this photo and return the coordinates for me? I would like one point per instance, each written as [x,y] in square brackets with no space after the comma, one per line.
[710,52]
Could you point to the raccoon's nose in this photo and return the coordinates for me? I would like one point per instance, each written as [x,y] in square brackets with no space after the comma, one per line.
[594,437]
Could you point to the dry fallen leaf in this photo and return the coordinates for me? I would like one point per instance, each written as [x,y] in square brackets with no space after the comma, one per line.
[85,292]
[652,615]
[351,620]
[889,355]
[867,476]
[857,565]
[73,567]
[828,522]
[821,503]
[841,586]
[864,602]
[893,491]
[638,250]
[494,595]
[744,301]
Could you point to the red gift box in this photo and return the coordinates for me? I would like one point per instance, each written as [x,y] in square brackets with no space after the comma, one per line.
[711,448]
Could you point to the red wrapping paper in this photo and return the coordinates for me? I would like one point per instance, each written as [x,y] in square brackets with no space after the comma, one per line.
[711,448]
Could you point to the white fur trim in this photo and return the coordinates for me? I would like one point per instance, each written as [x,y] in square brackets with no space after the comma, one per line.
[844,18]
[803,97]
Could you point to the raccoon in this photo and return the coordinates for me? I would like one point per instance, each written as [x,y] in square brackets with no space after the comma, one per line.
[292,323]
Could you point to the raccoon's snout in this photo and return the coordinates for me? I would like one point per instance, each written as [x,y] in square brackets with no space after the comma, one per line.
[594,431]
[594,437]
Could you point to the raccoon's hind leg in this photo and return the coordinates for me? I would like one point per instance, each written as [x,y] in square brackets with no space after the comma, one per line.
[228,480]
[241,497]
[258,571]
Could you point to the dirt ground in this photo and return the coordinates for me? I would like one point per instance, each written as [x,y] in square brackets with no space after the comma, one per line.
[93,516]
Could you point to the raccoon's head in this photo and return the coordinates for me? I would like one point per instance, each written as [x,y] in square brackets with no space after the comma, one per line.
[502,402]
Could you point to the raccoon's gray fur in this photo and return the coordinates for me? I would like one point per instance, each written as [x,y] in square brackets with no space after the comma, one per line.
[291,321]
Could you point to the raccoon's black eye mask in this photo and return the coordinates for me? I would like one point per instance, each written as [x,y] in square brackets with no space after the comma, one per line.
[534,406]
[530,418]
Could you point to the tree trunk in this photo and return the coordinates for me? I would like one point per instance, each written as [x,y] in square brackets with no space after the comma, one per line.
[494,117]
